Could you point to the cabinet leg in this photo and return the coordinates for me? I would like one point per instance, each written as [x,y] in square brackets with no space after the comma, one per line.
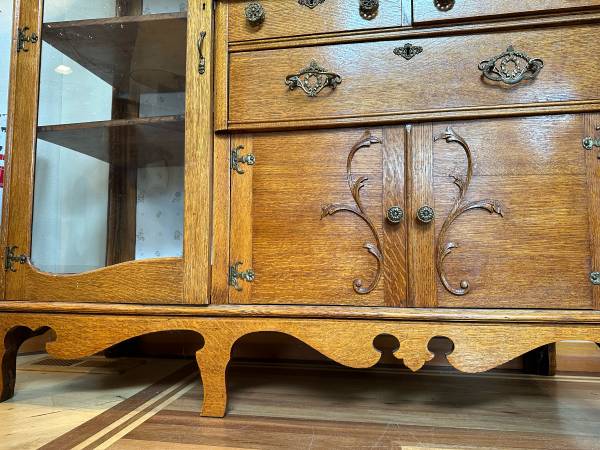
[10,341]
[213,367]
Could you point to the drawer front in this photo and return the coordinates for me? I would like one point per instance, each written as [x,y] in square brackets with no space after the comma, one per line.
[521,234]
[298,18]
[443,75]
[441,10]
[310,232]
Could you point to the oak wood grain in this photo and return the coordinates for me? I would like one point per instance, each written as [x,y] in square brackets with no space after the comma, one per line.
[221,211]
[143,281]
[198,155]
[425,11]
[421,248]
[394,86]
[293,19]
[538,254]
[439,29]
[242,219]
[300,256]
[461,315]
[591,123]
[394,235]
[477,347]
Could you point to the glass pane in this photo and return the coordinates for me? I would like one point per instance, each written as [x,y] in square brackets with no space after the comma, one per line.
[6,9]
[110,147]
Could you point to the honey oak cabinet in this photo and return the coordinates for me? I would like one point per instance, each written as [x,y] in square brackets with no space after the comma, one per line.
[333,170]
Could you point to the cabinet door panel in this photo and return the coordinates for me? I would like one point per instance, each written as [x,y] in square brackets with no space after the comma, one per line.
[531,248]
[101,166]
[296,223]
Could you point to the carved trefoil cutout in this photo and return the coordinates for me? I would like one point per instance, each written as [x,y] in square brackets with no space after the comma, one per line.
[355,186]
[460,206]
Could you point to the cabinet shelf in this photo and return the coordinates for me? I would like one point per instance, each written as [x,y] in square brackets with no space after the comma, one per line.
[146,140]
[147,51]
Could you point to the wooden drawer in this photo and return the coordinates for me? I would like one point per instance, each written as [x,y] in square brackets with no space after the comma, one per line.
[428,11]
[378,84]
[291,18]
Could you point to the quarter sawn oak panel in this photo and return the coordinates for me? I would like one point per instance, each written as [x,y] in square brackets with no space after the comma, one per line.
[538,254]
[300,257]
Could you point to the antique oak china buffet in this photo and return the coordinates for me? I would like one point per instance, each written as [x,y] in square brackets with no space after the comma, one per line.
[333,170]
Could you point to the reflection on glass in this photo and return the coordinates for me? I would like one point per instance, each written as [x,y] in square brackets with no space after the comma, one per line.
[110,148]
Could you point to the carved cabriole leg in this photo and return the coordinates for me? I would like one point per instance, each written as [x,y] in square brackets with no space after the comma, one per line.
[10,341]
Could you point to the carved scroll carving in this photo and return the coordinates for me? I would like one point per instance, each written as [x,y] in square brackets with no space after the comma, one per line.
[355,186]
[460,207]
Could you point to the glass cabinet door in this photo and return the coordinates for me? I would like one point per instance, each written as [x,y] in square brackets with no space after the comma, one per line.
[108,165]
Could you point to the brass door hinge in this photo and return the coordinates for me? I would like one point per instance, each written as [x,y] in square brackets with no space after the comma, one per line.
[10,259]
[23,37]
[235,275]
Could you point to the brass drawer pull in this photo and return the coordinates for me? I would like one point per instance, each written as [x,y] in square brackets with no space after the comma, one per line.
[310,3]
[408,51]
[425,214]
[511,67]
[395,214]
[255,13]
[313,79]
[368,8]
[444,5]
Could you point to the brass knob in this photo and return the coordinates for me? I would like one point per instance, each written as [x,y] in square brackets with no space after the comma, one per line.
[368,8]
[444,5]
[425,214]
[255,13]
[395,214]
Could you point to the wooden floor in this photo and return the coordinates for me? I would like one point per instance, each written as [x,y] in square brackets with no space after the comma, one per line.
[299,407]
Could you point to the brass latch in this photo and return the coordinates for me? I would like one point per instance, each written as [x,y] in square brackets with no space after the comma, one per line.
[237,159]
[589,143]
[10,258]
[235,275]
[23,38]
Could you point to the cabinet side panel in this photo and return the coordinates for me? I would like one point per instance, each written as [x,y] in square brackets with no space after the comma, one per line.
[198,159]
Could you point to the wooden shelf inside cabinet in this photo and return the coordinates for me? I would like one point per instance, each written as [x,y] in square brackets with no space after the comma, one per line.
[152,139]
[146,50]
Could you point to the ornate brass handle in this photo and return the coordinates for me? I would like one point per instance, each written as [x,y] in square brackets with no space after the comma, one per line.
[395,214]
[425,214]
[202,59]
[255,13]
[511,67]
[368,8]
[313,79]
[444,5]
